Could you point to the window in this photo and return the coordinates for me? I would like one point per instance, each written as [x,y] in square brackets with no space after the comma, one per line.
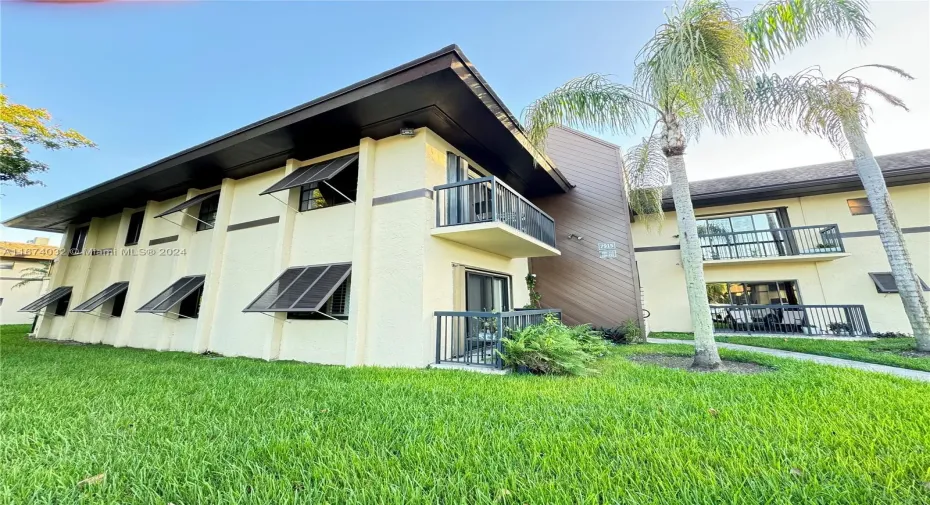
[206,218]
[884,282]
[182,289]
[6,265]
[190,305]
[48,299]
[337,306]
[77,241]
[753,293]
[743,236]
[337,190]
[61,306]
[119,301]
[486,292]
[859,206]
[135,228]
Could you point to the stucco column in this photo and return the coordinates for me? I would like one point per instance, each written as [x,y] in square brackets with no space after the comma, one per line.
[186,230]
[281,259]
[357,334]
[79,269]
[115,266]
[59,267]
[211,287]
[136,278]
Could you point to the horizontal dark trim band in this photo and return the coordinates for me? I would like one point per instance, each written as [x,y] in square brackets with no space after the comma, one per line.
[658,248]
[406,195]
[253,224]
[874,233]
[163,240]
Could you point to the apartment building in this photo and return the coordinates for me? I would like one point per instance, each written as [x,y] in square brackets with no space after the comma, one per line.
[21,276]
[791,251]
[388,223]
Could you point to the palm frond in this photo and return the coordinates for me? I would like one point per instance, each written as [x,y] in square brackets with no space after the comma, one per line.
[701,47]
[864,87]
[646,173]
[593,102]
[780,26]
[900,72]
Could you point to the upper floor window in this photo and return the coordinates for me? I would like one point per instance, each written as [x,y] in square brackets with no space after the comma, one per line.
[885,283]
[135,228]
[337,190]
[206,218]
[859,206]
[77,241]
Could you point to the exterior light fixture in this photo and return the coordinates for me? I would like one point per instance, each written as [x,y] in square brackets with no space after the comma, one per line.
[408,132]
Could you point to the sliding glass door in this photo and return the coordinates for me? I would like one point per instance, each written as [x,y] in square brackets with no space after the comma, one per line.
[487,292]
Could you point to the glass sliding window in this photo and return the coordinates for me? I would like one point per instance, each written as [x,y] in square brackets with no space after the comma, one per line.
[753,293]
[486,292]
[742,236]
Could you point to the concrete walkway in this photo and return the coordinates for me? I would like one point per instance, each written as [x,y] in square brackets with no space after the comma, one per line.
[823,360]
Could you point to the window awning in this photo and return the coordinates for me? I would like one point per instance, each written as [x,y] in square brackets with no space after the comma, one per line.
[190,203]
[316,172]
[48,299]
[172,296]
[301,289]
[100,298]
[885,283]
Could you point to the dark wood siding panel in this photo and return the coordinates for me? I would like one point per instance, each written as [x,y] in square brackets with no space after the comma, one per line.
[588,289]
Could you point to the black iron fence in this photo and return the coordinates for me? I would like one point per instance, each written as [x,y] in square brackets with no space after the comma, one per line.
[776,242]
[831,320]
[488,200]
[474,338]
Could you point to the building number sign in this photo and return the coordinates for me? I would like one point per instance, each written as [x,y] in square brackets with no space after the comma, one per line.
[607,250]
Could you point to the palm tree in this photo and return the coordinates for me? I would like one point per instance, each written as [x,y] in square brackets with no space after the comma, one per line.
[837,110]
[703,55]
[32,274]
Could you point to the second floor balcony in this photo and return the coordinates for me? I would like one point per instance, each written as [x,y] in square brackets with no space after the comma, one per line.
[794,244]
[488,214]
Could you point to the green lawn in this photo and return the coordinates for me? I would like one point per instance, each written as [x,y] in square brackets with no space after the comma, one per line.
[884,351]
[185,429]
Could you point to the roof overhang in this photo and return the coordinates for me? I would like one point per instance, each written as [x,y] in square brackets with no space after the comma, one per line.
[441,91]
[897,177]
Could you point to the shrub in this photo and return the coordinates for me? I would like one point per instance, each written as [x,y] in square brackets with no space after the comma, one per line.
[627,333]
[553,348]
[891,334]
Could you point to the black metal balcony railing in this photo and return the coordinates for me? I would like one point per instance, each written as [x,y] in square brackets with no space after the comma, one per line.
[488,200]
[474,338]
[773,243]
[832,320]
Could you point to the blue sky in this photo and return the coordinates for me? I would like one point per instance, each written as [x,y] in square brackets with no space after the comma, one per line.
[147,80]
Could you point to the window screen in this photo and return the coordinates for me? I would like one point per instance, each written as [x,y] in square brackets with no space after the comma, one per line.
[884,282]
[859,206]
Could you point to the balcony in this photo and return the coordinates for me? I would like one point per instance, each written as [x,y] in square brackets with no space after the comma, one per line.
[796,244]
[474,338]
[814,320]
[489,215]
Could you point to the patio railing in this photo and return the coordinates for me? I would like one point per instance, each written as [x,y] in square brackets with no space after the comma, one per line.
[773,243]
[474,338]
[488,199]
[831,320]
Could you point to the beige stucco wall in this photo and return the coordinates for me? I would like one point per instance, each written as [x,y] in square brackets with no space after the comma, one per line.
[842,281]
[410,274]
[15,299]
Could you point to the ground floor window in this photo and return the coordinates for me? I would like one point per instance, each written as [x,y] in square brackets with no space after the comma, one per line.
[487,292]
[61,306]
[190,306]
[336,307]
[754,293]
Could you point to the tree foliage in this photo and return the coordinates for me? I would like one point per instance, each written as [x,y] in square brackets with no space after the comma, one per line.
[22,126]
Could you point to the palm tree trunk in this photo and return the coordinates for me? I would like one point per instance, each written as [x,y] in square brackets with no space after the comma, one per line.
[705,348]
[905,276]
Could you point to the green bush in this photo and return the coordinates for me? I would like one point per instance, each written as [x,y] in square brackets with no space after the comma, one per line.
[553,348]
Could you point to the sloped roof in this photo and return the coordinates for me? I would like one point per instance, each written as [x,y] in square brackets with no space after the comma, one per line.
[22,250]
[900,168]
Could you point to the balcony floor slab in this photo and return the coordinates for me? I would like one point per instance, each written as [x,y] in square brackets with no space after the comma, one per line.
[802,258]
[497,238]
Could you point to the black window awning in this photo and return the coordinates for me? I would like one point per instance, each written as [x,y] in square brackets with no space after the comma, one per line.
[316,172]
[47,299]
[190,203]
[884,282]
[172,296]
[301,289]
[100,298]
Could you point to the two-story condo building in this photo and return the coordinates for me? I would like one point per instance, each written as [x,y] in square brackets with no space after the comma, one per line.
[388,223]
[791,251]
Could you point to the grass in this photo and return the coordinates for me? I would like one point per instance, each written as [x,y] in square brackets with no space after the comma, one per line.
[188,429]
[884,351]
